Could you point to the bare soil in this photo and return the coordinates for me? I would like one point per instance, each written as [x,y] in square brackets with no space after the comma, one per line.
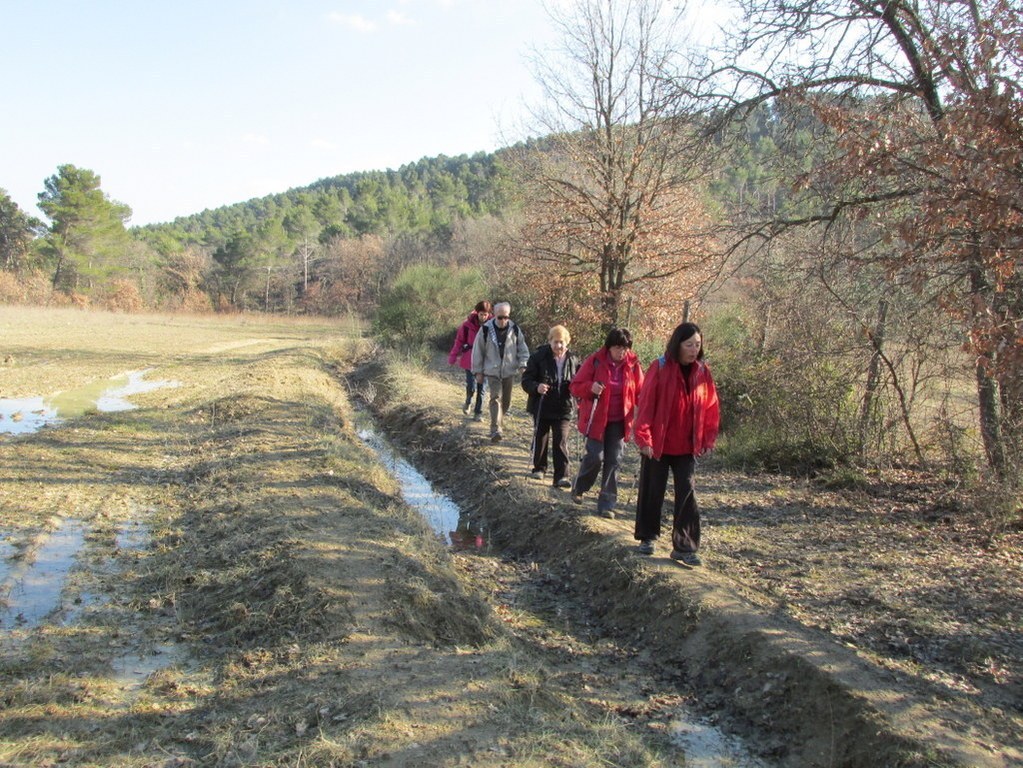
[286,607]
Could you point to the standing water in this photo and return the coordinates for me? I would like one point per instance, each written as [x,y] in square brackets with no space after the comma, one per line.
[438,510]
[29,414]
[32,591]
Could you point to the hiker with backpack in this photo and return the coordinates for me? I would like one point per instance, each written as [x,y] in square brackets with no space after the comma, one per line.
[546,379]
[461,354]
[677,421]
[607,386]
[499,352]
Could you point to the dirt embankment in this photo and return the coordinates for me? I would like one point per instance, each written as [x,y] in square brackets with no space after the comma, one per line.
[750,646]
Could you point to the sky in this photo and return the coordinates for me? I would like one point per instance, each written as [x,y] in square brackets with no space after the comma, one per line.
[196,104]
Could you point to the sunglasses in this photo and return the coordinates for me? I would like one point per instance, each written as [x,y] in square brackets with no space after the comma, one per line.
[502,317]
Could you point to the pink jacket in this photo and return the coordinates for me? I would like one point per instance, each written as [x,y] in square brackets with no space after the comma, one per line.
[461,350]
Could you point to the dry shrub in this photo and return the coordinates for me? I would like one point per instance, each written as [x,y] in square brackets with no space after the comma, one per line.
[33,287]
[189,301]
[123,296]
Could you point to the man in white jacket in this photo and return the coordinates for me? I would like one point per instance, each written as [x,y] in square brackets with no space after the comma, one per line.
[499,353]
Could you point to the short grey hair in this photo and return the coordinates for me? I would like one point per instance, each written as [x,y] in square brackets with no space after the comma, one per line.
[500,304]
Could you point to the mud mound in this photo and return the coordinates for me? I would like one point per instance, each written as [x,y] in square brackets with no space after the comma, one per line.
[786,682]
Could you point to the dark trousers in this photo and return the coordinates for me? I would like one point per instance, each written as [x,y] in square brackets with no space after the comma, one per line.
[552,432]
[601,457]
[653,481]
[471,388]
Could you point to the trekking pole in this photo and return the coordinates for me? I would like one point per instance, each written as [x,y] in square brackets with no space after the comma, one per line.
[536,429]
[586,437]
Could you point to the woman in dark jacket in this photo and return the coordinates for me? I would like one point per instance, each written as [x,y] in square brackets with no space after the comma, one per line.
[677,421]
[547,376]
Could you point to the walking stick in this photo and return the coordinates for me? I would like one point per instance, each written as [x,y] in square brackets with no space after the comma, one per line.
[586,434]
[536,428]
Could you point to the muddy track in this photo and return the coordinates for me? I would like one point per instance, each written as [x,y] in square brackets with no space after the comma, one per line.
[774,677]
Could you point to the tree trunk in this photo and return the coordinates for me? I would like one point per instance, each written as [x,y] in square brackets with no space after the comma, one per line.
[987,388]
[873,374]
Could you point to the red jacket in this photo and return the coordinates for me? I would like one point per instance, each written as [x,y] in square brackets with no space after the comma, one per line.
[597,367]
[461,349]
[664,396]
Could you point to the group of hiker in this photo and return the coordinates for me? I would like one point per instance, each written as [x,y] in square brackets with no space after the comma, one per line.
[670,412]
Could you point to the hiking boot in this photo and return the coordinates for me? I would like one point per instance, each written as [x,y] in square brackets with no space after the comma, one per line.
[563,483]
[646,547]
[466,407]
[686,558]
[536,474]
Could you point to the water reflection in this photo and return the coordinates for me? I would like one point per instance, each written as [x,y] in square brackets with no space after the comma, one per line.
[29,414]
[439,511]
[33,589]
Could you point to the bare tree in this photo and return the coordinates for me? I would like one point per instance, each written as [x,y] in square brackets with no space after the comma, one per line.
[612,193]
[924,103]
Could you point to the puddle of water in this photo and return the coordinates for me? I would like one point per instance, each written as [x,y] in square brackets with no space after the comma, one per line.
[707,747]
[132,536]
[30,414]
[6,551]
[439,511]
[33,589]
[132,669]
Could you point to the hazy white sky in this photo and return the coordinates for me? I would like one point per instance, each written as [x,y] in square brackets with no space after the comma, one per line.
[196,104]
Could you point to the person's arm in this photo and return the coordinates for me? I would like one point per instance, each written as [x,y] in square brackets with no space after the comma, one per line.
[531,377]
[581,385]
[478,355]
[645,410]
[458,347]
[712,415]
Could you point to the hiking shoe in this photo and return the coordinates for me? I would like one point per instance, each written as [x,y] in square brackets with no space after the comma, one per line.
[646,547]
[608,513]
[686,558]
[495,437]
[577,498]
[477,417]
[563,483]
[467,407]
[536,474]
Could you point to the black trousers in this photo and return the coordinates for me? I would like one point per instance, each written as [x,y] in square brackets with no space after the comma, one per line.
[653,482]
[552,432]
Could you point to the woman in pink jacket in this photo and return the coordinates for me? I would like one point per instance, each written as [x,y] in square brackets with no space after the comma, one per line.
[606,385]
[677,421]
[461,354]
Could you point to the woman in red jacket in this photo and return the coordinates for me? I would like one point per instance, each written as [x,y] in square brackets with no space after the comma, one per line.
[677,421]
[607,385]
[461,355]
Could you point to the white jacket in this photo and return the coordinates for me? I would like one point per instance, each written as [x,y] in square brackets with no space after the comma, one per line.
[486,356]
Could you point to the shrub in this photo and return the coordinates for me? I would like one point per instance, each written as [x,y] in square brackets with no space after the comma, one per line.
[427,303]
[786,409]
